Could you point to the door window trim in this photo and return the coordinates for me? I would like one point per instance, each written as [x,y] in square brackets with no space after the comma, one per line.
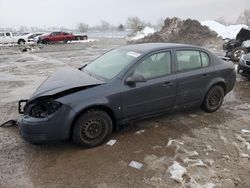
[191,49]
[149,55]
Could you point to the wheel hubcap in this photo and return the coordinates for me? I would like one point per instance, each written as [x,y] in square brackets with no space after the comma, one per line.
[92,129]
[215,98]
[239,53]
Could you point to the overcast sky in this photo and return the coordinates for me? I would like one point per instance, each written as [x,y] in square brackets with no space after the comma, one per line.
[67,13]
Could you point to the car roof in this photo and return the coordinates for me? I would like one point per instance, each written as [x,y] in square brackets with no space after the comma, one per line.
[147,47]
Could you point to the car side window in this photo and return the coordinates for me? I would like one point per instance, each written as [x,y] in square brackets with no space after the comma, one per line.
[188,60]
[2,35]
[8,34]
[205,59]
[155,66]
[55,33]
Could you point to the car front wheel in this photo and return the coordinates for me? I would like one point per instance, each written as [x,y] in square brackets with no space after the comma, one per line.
[45,41]
[92,128]
[213,99]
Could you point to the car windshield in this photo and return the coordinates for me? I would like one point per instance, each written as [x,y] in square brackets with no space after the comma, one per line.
[110,64]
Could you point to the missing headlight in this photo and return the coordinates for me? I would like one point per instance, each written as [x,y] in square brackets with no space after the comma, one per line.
[42,109]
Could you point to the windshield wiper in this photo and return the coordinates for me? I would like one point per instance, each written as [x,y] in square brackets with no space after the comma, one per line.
[83,66]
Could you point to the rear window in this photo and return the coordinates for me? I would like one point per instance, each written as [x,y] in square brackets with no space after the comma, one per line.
[56,33]
[205,59]
[191,59]
[8,34]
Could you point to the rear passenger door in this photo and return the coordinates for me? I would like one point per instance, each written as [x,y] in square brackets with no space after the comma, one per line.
[194,71]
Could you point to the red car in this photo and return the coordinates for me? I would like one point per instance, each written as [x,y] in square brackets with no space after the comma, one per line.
[60,37]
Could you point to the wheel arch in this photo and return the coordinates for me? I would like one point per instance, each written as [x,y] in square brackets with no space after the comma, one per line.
[106,109]
[217,82]
[21,39]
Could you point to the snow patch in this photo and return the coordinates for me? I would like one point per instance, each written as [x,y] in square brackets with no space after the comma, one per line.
[111,142]
[244,155]
[140,131]
[194,162]
[177,171]
[141,34]
[171,141]
[135,164]
[81,41]
[245,131]
[224,31]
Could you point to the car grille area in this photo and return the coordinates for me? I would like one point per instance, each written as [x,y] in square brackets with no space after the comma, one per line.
[248,63]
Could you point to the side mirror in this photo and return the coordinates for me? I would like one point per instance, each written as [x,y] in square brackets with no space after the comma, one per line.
[135,77]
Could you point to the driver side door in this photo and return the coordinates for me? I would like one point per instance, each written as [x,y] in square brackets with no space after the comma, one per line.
[154,95]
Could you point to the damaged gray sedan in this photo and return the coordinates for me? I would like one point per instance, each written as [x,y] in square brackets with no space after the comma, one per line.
[125,84]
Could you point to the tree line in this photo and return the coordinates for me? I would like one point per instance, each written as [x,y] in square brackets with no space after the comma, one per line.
[132,24]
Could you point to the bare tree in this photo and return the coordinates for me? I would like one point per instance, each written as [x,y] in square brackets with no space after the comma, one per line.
[135,24]
[105,25]
[82,27]
[244,18]
[23,29]
[121,27]
[160,23]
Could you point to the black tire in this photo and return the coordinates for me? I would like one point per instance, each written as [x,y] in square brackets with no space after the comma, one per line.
[78,38]
[213,99]
[92,128]
[84,38]
[45,41]
[237,53]
[21,42]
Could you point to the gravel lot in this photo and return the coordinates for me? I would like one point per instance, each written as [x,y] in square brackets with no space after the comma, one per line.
[212,148]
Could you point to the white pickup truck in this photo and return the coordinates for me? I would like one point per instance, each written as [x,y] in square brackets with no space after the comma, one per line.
[8,37]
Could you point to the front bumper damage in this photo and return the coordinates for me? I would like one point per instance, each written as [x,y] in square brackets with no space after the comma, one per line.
[55,127]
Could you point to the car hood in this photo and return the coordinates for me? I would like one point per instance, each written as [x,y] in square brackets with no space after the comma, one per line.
[65,79]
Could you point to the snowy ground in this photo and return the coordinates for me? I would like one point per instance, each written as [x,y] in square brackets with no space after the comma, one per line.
[184,149]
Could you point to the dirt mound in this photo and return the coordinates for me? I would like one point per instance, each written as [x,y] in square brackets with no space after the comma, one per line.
[185,31]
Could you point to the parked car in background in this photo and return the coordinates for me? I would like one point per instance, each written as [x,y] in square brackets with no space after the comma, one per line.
[80,36]
[125,84]
[60,37]
[32,36]
[244,65]
[9,37]
[235,48]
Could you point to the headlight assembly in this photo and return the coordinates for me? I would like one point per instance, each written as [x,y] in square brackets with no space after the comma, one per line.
[42,109]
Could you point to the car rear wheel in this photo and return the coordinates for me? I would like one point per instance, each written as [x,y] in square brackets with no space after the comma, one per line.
[213,99]
[21,42]
[237,53]
[92,128]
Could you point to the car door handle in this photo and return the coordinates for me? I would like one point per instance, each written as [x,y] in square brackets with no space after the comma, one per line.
[167,84]
[205,75]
